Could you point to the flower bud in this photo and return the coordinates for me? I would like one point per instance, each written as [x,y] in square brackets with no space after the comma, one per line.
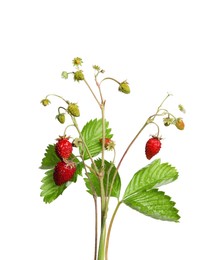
[73,109]
[78,75]
[61,118]
[179,124]
[45,102]
[181,108]
[64,75]
[124,87]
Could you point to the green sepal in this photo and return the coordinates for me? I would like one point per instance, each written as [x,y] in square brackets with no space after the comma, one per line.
[155,204]
[108,176]
[92,133]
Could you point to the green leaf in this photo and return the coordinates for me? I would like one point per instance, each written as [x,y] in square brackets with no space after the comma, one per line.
[50,159]
[51,191]
[155,204]
[152,176]
[108,176]
[92,133]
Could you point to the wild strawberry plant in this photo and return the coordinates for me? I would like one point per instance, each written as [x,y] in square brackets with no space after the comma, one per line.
[84,155]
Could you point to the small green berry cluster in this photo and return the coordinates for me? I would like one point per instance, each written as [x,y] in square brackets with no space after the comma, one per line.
[78,75]
[72,109]
[177,121]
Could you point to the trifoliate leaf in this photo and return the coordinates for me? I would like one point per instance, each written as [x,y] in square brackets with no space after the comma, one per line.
[110,170]
[152,176]
[155,204]
[50,159]
[92,133]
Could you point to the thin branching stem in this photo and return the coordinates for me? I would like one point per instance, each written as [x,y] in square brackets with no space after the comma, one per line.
[123,156]
[109,78]
[55,95]
[148,121]
[84,144]
[109,229]
[109,171]
[66,129]
[97,101]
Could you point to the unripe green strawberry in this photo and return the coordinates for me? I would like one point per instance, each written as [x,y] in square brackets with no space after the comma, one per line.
[45,102]
[63,147]
[73,109]
[61,118]
[180,124]
[63,172]
[78,75]
[153,146]
[124,87]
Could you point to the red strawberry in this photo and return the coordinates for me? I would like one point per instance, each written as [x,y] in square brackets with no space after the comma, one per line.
[109,144]
[63,147]
[63,172]
[153,146]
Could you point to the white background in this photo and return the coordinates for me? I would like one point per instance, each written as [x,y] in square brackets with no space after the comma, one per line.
[159,47]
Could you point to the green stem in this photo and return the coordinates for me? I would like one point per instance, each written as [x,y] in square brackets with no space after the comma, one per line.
[96,209]
[55,95]
[158,129]
[103,198]
[103,136]
[110,79]
[92,92]
[109,171]
[66,129]
[101,253]
[100,92]
[126,151]
[61,108]
[109,229]
[104,205]
[85,146]
[96,226]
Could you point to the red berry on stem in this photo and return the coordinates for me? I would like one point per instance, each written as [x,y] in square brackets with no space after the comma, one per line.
[63,148]
[153,146]
[63,172]
[109,144]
